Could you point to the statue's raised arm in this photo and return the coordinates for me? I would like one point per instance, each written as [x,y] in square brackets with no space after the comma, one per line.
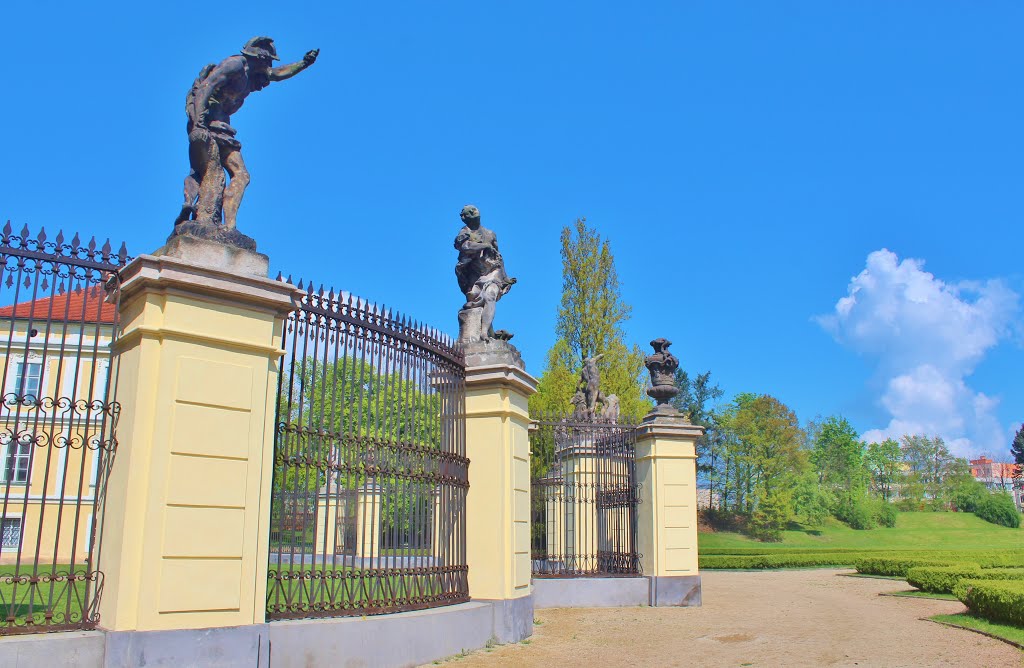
[288,71]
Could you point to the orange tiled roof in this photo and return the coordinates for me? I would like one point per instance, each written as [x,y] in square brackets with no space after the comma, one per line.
[86,305]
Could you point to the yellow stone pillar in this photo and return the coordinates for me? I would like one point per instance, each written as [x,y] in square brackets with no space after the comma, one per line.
[580,466]
[331,506]
[666,470]
[498,502]
[369,506]
[185,536]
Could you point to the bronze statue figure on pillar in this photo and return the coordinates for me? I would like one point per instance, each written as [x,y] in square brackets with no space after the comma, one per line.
[590,404]
[217,93]
[483,281]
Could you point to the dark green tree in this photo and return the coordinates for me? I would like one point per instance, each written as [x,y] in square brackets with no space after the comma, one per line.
[1017,451]
[838,457]
[696,398]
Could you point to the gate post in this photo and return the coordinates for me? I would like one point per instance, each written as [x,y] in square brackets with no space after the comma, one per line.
[185,537]
[498,502]
[666,471]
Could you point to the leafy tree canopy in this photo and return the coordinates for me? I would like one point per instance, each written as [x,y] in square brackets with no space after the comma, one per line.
[838,456]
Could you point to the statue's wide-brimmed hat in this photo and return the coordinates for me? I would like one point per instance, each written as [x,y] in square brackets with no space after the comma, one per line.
[260,47]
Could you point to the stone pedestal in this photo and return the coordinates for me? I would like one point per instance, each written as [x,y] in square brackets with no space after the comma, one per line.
[491,352]
[666,470]
[184,542]
[498,502]
[217,247]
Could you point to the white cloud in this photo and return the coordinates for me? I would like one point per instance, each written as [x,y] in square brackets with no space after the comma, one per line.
[927,337]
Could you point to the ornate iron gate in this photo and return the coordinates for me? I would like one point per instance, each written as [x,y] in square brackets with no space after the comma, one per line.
[58,417]
[584,497]
[370,468]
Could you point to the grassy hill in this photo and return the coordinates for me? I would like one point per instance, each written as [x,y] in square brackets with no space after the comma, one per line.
[913,531]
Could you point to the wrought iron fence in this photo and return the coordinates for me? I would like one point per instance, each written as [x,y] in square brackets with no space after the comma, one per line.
[370,468]
[584,495]
[58,417]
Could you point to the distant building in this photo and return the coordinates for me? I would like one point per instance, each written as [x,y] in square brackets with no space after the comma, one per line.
[998,476]
[54,358]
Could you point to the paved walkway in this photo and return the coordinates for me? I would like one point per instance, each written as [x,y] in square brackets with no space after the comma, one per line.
[772,618]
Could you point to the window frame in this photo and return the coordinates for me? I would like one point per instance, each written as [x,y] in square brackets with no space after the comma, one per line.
[17,462]
[23,374]
[6,521]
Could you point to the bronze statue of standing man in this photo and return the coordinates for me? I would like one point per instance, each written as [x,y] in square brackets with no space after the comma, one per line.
[218,92]
[482,278]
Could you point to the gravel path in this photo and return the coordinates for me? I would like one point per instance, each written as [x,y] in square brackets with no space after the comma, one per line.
[775,618]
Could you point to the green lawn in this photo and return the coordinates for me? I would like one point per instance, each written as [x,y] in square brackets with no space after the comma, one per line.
[1012,634]
[913,531]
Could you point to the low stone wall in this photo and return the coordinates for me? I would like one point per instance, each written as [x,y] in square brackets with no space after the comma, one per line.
[617,592]
[69,649]
[396,640]
[591,592]
[403,639]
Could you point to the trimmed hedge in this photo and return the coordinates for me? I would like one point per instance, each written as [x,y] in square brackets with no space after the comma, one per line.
[793,550]
[869,562]
[1006,559]
[1001,574]
[941,579]
[784,560]
[997,600]
[899,564]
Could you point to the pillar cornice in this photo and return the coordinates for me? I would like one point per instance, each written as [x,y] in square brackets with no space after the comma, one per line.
[494,376]
[149,274]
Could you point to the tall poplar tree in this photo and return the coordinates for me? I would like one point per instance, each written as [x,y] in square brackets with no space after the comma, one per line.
[590,319]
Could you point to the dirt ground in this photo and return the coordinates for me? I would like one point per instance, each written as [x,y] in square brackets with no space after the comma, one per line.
[777,618]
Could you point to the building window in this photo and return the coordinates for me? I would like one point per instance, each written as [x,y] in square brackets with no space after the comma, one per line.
[16,461]
[29,375]
[10,532]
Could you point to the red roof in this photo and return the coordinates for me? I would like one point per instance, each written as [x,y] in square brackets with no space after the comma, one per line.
[76,306]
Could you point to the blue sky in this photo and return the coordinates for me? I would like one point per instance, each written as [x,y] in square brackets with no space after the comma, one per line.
[751,163]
